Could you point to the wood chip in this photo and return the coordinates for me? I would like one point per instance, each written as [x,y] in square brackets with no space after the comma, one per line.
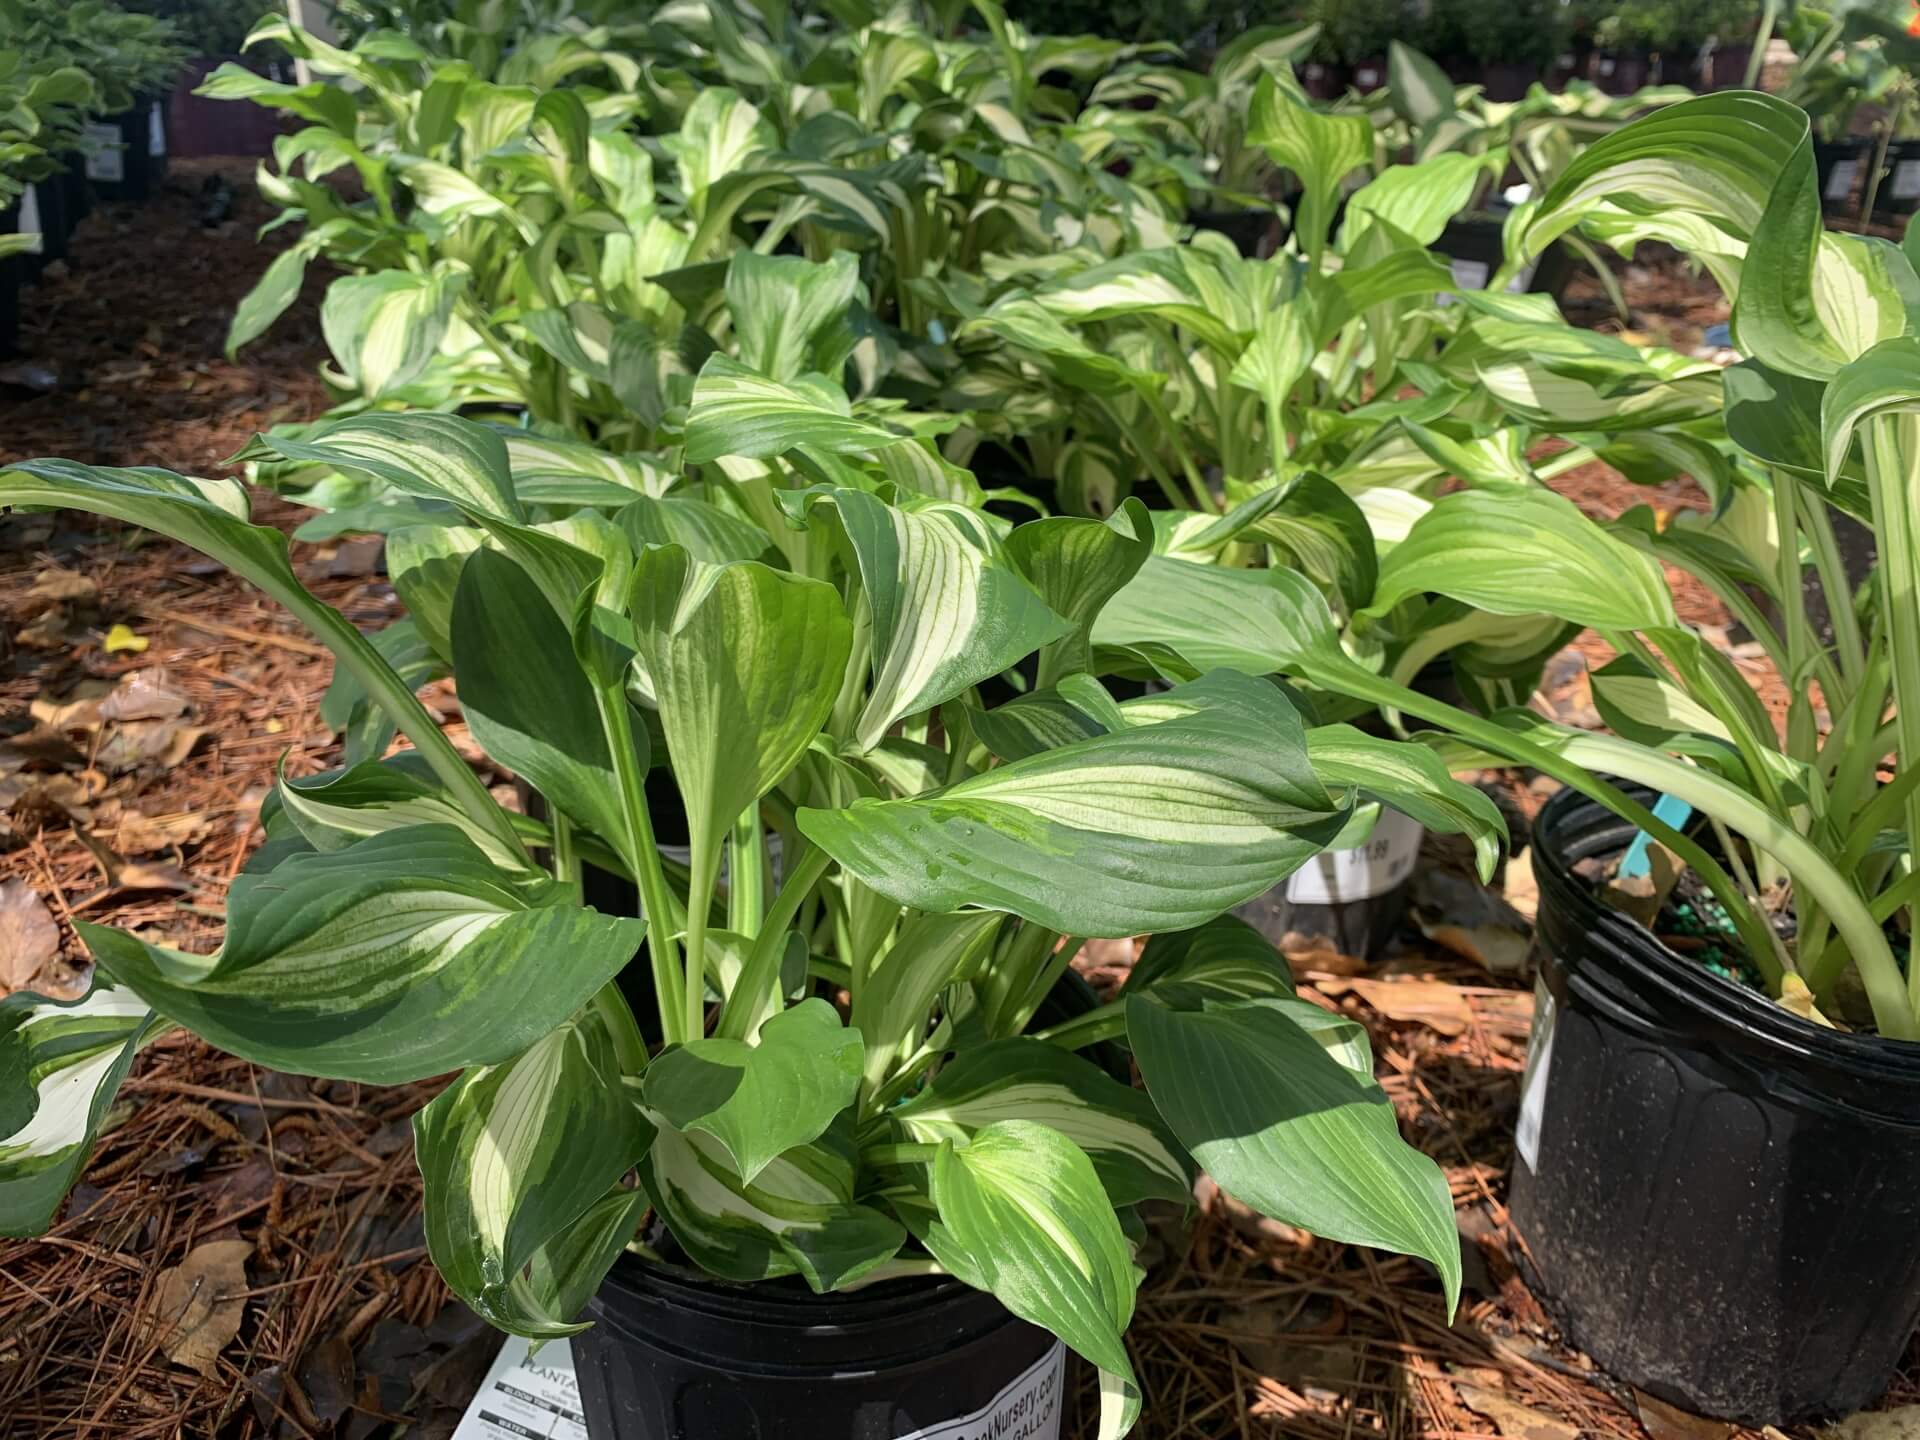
[1514,1420]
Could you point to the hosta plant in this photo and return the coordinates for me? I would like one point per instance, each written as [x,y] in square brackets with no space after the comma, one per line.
[1823,412]
[886,877]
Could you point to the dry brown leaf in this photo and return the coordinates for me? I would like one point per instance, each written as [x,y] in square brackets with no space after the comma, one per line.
[49,632]
[1494,948]
[125,874]
[166,743]
[79,710]
[54,586]
[1302,1349]
[137,834]
[28,936]
[1900,1423]
[1312,952]
[1514,1420]
[199,1309]
[1669,1422]
[144,695]
[1432,1003]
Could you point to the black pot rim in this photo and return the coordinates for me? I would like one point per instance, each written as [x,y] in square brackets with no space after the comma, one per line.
[1723,1012]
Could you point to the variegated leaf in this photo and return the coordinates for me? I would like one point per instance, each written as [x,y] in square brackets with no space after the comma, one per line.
[514,1154]
[61,1061]
[404,955]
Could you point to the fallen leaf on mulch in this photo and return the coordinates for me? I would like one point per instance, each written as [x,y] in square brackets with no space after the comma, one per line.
[144,695]
[1458,913]
[54,586]
[1514,1420]
[199,1306]
[326,1375]
[1432,1003]
[137,834]
[1300,1346]
[49,632]
[125,874]
[1670,1422]
[1314,953]
[1900,1423]
[28,936]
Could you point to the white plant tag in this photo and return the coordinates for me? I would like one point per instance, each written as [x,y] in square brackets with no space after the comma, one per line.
[521,1397]
[1366,77]
[1027,1409]
[1533,1083]
[1840,179]
[1371,868]
[107,161]
[156,131]
[29,223]
[1906,180]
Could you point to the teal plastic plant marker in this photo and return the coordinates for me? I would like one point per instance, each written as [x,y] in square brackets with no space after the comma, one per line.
[1675,813]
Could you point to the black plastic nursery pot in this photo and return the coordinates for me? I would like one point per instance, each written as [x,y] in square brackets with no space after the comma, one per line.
[1842,167]
[1899,192]
[1621,72]
[1256,234]
[1473,245]
[674,1355]
[131,158]
[13,271]
[1718,1200]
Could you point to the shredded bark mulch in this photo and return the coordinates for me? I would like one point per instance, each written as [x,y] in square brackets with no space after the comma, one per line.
[244,1255]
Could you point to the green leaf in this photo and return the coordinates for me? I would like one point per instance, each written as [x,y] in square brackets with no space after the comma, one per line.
[892,1000]
[1287,1129]
[1418,89]
[61,1062]
[948,609]
[419,453]
[404,955]
[746,663]
[424,563]
[790,315]
[760,1100]
[1174,606]
[527,700]
[339,807]
[512,1155]
[704,531]
[277,288]
[1022,1078]
[1416,200]
[1525,552]
[718,136]
[1023,1215]
[1158,828]
[738,412]
[799,1216]
[384,328]
[1313,523]
[1224,959]
[1321,149]
[1411,779]
[1884,381]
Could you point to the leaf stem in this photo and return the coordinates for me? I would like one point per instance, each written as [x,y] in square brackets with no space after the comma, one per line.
[763,961]
[1106,1022]
[643,855]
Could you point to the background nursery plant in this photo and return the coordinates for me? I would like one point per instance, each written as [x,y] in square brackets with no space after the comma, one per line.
[859,820]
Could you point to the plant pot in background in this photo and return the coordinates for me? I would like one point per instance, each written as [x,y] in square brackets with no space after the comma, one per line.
[1507,81]
[1323,82]
[55,199]
[1842,167]
[1256,234]
[1728,68]
[675,1355]
[129,156]
[1473,245]
[1621,73]
[1352,900]
[1369,74]
[14,273]
[1719,1201]
[1899,193]
[198,126]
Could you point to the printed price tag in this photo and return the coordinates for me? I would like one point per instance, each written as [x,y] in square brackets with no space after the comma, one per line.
[1533,1082]
[523,1398]
[1027,1409]
[1840,179]
[106,162]
[1372,868]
